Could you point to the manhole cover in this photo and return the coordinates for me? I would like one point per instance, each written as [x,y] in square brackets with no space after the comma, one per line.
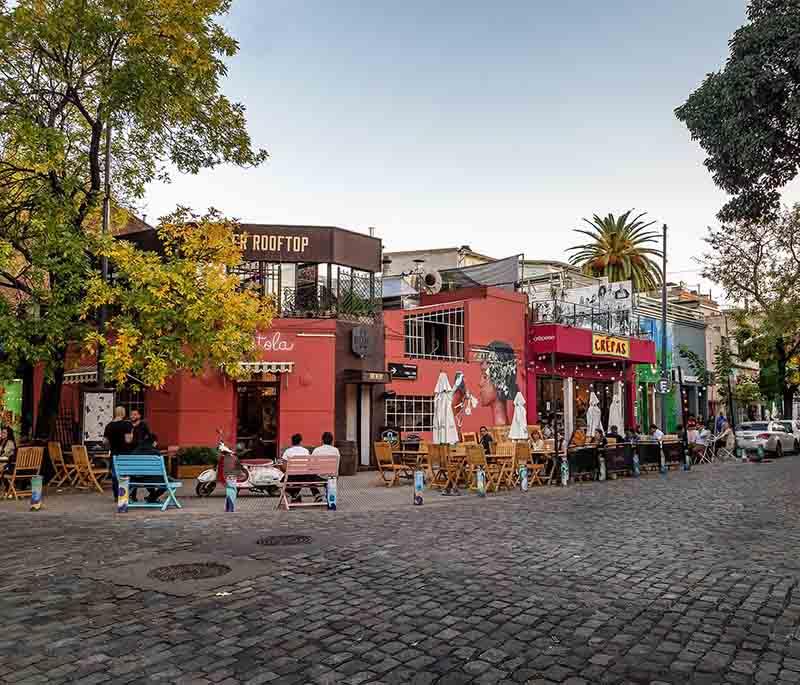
[169,574]
[274,540]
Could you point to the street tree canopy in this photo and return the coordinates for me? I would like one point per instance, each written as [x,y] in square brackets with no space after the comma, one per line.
[69,69]
[747,116]
[178,310]
[758,266]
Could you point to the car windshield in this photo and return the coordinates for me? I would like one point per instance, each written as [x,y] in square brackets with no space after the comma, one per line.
[754,426]
[787,425]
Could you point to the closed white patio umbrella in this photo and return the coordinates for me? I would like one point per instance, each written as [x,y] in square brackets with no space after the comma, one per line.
[519,424]
[615,417]
[594,419]
[444,422]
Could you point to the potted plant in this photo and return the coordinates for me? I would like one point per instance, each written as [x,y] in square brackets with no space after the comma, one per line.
[192,461]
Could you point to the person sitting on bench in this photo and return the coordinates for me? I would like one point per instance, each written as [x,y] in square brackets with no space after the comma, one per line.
[297,450]
[148,446]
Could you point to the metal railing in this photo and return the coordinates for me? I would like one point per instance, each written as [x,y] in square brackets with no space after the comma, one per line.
[316,301]
[621,322]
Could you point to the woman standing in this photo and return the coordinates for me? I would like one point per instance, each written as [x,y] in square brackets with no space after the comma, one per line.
[8,455]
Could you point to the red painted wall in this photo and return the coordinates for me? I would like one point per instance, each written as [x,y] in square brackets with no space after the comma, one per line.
[490,314]
[190,410]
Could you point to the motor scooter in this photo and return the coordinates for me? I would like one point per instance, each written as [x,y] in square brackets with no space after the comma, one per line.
[256,475]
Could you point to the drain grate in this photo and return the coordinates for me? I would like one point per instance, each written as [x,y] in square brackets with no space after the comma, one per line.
[276,540]
[177,572]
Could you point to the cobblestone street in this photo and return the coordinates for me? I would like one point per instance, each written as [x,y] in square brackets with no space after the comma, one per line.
[686,578]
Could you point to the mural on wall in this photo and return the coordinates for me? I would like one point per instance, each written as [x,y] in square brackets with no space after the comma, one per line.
[650,374]
[614,300]
[498,383]
[11,405]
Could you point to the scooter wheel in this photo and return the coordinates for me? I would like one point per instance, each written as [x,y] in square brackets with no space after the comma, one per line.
[273,491]
[205,489]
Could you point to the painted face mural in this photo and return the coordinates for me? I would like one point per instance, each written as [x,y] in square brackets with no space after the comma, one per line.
[498,383]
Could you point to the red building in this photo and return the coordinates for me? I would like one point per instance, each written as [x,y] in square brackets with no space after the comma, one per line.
[320,366]
[477,337]
[566,364]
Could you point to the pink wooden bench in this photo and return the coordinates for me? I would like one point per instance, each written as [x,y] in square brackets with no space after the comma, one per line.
[305,472]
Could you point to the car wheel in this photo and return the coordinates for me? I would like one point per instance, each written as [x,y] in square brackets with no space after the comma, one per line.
[778,450]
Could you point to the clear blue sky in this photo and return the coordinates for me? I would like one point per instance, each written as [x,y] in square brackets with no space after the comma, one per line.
[498,125]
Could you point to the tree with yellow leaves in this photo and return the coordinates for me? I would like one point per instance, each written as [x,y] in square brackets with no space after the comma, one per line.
[151,71]
[177,308]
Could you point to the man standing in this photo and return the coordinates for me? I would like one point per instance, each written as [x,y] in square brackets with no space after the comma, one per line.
[142,435]
[118,437]
[720,421]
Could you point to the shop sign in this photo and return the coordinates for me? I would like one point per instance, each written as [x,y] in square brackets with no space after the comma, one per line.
[403,372]
[359,376]
[360,341]
[610,346]
[274,343]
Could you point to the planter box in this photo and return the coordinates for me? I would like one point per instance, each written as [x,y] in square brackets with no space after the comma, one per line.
[191,472]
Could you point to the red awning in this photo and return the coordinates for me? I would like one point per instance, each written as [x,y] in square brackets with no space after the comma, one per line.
[586,344]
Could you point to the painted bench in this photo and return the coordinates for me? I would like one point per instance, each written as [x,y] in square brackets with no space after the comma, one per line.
[136,467]
[307,472]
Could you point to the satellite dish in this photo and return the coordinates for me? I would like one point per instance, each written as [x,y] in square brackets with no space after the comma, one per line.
[431,282]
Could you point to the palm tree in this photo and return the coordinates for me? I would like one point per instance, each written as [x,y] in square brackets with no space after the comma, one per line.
[620,250]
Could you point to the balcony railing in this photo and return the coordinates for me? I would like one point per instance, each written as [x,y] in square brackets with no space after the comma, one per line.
[315,301]
[621,322]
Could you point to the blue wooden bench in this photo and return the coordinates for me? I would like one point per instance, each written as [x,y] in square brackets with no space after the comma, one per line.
[135,466]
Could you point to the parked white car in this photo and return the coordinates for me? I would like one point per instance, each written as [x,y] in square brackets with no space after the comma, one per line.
[769,435]
[792,427]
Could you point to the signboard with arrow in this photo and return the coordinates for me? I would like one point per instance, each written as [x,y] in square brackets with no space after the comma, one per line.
[403,372]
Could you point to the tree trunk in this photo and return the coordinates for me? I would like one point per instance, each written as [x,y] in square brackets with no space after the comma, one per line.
[50,400]
[788,401]
[787,391]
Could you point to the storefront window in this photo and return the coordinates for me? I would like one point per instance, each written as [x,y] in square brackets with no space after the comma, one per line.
[410,413]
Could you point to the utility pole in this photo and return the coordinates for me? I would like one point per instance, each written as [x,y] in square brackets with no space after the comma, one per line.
[664,377]
[101,379]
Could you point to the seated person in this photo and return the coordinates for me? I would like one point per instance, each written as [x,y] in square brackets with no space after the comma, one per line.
[486,440]
[297,450]
[599,438]
[614,433]
[726,438]
[537,440]
[578,438]
[147,446]
[655,432]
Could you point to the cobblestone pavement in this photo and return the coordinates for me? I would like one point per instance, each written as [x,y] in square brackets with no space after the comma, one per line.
[686,578]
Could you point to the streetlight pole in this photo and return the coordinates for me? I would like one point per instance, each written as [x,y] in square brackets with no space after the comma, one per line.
[101,379]
[664,332]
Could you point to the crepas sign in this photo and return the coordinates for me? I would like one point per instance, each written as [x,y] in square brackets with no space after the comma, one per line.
[609,346]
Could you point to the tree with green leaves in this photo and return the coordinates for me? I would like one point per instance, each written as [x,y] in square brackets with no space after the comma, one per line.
[747,116]
[179,308]
[620,249]
[150,70]
[758,267]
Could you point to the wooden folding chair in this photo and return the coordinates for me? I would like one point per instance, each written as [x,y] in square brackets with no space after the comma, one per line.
[64,472]
[390,471]
[467,438]
[476,459]
[523,455]
[87,472]
[500,433]
[504,458]
[455,466]
[437,465]
[27,465]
